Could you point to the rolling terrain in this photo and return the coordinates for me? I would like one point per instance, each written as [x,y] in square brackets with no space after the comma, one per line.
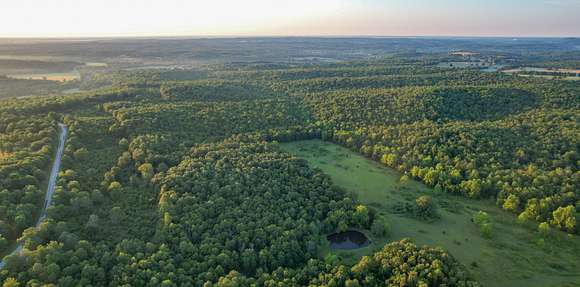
[231,170]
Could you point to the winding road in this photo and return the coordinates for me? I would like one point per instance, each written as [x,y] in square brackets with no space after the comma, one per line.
[51,185]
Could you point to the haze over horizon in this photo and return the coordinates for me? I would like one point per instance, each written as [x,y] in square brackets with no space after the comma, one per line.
[106,18]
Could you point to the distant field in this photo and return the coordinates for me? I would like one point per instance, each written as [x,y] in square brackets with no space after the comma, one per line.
[96,64]
[510,258]
[462,65]
[13,88]
[32,58]
[543,70]
[546,73]
[58,77]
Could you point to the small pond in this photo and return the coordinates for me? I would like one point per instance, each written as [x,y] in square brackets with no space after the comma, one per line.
[348,240]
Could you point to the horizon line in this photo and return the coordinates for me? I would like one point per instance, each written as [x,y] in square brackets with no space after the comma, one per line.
[136,36]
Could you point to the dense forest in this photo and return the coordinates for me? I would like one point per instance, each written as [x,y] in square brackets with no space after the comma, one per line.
[26,145]
[172,178]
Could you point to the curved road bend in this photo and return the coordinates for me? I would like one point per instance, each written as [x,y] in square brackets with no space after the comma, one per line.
[51,185]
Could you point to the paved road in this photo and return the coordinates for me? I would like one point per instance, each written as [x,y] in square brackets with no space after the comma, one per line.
[51,185]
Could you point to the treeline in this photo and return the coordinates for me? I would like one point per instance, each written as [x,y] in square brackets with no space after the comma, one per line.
[529,162]
[462,78]
[352,70]
[164,131]
[70,103]
[140,78]
[216,90]
[398,264]
[349,109]
[554,93]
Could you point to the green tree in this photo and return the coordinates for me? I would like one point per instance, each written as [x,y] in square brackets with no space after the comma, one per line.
[544,229]
[81,154]
[425,207]
[379,227]
[146,171]
[10,282]
[565,218]
[361,215]
[92,224]
[512,203]
[483,221]
[116,215]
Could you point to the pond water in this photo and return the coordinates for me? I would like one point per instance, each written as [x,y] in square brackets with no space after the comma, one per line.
[348,240]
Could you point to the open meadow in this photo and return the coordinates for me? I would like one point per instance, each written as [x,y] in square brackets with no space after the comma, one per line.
[512,256]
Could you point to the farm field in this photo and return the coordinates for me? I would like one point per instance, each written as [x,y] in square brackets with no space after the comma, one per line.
[511,257]
[96,64]
[57,77]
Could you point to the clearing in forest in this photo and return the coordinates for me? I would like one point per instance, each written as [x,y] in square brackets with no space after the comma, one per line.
[514,255]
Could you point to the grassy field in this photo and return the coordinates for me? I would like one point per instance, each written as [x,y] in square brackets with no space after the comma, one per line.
[511,257]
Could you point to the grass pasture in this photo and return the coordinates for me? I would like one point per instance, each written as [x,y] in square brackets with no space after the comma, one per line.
[511,257]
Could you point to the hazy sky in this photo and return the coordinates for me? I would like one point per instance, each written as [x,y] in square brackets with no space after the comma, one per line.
[56,18]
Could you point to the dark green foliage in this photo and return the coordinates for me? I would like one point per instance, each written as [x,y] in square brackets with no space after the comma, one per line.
[209,91]
[169,183]
[400,263]
[523,156]
[349,109]
[403,264]
[379,227]
[26,147]
[219,200]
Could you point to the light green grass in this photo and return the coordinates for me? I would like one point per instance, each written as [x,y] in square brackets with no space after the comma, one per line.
[510,257]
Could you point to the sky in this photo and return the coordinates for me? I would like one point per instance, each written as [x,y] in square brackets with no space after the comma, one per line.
[99,18]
